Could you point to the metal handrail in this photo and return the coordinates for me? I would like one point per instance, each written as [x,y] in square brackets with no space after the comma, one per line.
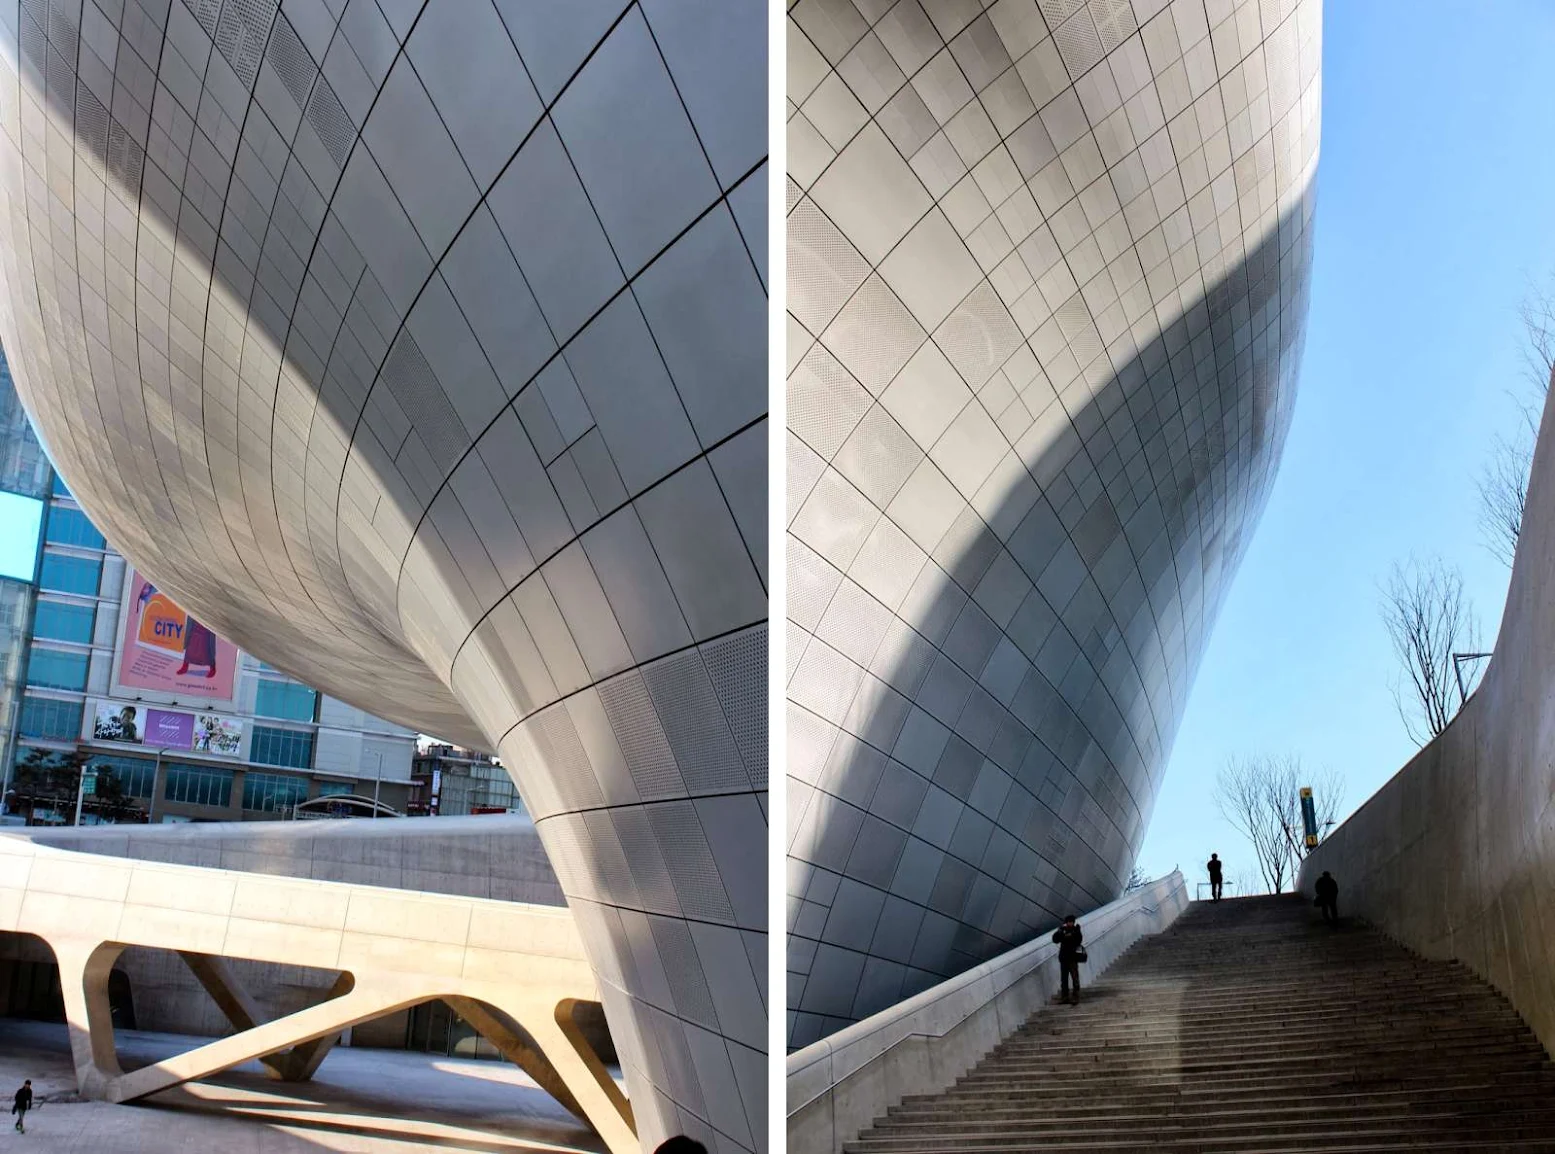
[1201,886]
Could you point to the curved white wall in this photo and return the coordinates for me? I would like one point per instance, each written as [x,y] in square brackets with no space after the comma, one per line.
[420,349]
[1047,281]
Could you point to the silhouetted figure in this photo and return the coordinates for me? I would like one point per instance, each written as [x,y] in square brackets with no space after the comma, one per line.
[1328,897]
[21,1104]
[1214,877]
[680,1144]
[1070,939]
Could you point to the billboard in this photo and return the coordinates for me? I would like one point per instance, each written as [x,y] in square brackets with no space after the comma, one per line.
[114,722]
[168,729]
[164,649]
[216,734]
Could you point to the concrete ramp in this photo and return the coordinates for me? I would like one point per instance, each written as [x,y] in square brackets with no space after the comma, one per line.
[515,971]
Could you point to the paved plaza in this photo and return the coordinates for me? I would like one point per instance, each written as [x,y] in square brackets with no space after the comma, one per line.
[358,1102]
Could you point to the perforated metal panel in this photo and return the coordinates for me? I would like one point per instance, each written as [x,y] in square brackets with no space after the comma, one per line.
[1062,247]
[393,340]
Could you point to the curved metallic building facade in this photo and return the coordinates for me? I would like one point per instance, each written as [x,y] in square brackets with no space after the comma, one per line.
[1047,280]
[420,349]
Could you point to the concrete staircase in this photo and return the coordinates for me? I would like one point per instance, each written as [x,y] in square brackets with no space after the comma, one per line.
[1251,1026]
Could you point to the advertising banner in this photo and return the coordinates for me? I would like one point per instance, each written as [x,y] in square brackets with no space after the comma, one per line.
[114,722]
[142,725]
[219,735]
[163,648]
[168,730]
[1309,816]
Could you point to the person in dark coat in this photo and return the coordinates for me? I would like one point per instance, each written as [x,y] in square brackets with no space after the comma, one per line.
[1069,938]
[21,1104]
[680,1144]
[1214,877]
[1328,897]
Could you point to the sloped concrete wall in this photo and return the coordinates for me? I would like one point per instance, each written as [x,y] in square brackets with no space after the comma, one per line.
[1455,856]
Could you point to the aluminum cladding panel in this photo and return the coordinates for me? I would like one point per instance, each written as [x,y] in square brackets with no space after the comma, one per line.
[1047,280]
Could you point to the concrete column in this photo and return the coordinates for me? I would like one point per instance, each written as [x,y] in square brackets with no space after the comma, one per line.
[83,981]
[519,1047]
[299,1063]
[603,1103]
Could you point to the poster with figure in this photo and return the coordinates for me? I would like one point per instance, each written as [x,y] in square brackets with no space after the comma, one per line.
[218,735]
[165,649]
[112,721]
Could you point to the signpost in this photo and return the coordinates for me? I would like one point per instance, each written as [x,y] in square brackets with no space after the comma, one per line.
[1309,816]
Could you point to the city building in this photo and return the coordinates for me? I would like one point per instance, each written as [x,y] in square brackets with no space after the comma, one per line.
[1047,284]
[24,481]
[448,781]
[84,677]
[421,350]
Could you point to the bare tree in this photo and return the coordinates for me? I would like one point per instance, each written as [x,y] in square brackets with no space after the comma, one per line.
[1136,880]
[1261,797]
[1538,313]
[1246,884]
[1503,492]
[1503,480]
[1429,618]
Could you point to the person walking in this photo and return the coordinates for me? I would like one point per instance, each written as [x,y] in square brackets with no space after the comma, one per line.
[21,1104]
[1214,877]
[1070,940]
[1328,897]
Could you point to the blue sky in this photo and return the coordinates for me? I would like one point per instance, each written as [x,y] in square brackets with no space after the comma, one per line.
[1435,220]
[19,517]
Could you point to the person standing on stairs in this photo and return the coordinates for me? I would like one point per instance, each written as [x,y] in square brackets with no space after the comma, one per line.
[1214,877]
[1070,940]
[1327,890]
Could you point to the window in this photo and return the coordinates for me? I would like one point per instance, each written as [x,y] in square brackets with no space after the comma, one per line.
[50,718]
[70,574]
[59,621]
[69,526]
[199,784]
[335,788]
[59,486]
[292,748]
[273,792]
[286,699]
[136,775]
[57,669]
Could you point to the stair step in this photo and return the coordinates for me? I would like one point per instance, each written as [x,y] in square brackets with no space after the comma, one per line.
[1250,1028]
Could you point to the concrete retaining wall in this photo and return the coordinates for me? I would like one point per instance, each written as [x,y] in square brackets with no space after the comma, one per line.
[840,1084]
[1455,856]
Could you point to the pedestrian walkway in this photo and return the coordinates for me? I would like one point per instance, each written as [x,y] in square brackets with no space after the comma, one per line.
[357,1102]
[1251,1026]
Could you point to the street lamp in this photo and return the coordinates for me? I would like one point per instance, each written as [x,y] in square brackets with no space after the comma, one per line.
[1457,668]
[151,810]
[86,771]
[377,784]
